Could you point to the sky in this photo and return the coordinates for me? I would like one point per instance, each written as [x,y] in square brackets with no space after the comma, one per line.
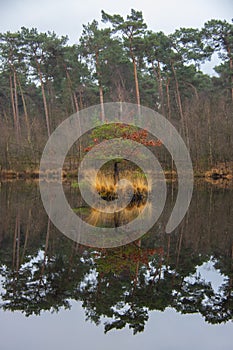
[66,17]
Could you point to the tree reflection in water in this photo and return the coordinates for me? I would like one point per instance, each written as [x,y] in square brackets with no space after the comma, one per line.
[43,270]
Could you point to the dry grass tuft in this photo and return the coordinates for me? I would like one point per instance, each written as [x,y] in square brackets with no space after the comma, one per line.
[104,184]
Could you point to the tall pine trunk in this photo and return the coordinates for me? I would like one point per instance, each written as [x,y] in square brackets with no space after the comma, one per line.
[25,112]
[44,98]
[101,94]
[182,116]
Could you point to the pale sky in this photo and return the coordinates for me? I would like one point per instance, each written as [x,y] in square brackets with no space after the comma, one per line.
[66,17]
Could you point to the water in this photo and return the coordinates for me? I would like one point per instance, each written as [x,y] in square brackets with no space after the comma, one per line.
[173,291]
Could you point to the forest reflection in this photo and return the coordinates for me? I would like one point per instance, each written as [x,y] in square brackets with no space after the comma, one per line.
[43,270]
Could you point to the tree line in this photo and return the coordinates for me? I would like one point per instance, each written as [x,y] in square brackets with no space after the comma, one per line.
[44,79]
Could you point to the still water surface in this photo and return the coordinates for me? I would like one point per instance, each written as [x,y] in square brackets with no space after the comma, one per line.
[163,291]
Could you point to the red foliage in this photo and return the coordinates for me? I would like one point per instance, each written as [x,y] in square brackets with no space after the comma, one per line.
[140,136]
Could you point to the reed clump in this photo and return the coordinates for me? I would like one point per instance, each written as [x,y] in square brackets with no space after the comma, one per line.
[104,184]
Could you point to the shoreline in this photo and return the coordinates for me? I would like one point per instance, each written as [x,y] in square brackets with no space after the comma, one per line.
[71,177]
[221,171]
[211,174]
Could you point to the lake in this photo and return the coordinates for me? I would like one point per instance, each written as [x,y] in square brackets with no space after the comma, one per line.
[166,291]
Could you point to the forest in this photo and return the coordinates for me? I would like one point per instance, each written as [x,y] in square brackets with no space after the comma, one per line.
[44,79]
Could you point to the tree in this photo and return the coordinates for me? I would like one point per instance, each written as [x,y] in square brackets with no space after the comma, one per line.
[132,30]
[218,36]
[12,62]
[117,130]
[40,52]
[93,44]
[156,46]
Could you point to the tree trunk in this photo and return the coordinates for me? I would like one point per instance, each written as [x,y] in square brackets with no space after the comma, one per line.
[13,107]
[16,103]
[101,94]
[116,173]
[135,75]
[44,98]
[182,116]
[136,82]
[80,98]
[25,113]
[178,98]
[71,89]
[75,101]
[102,102]
[157,74]
[209,138]
[168,99]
